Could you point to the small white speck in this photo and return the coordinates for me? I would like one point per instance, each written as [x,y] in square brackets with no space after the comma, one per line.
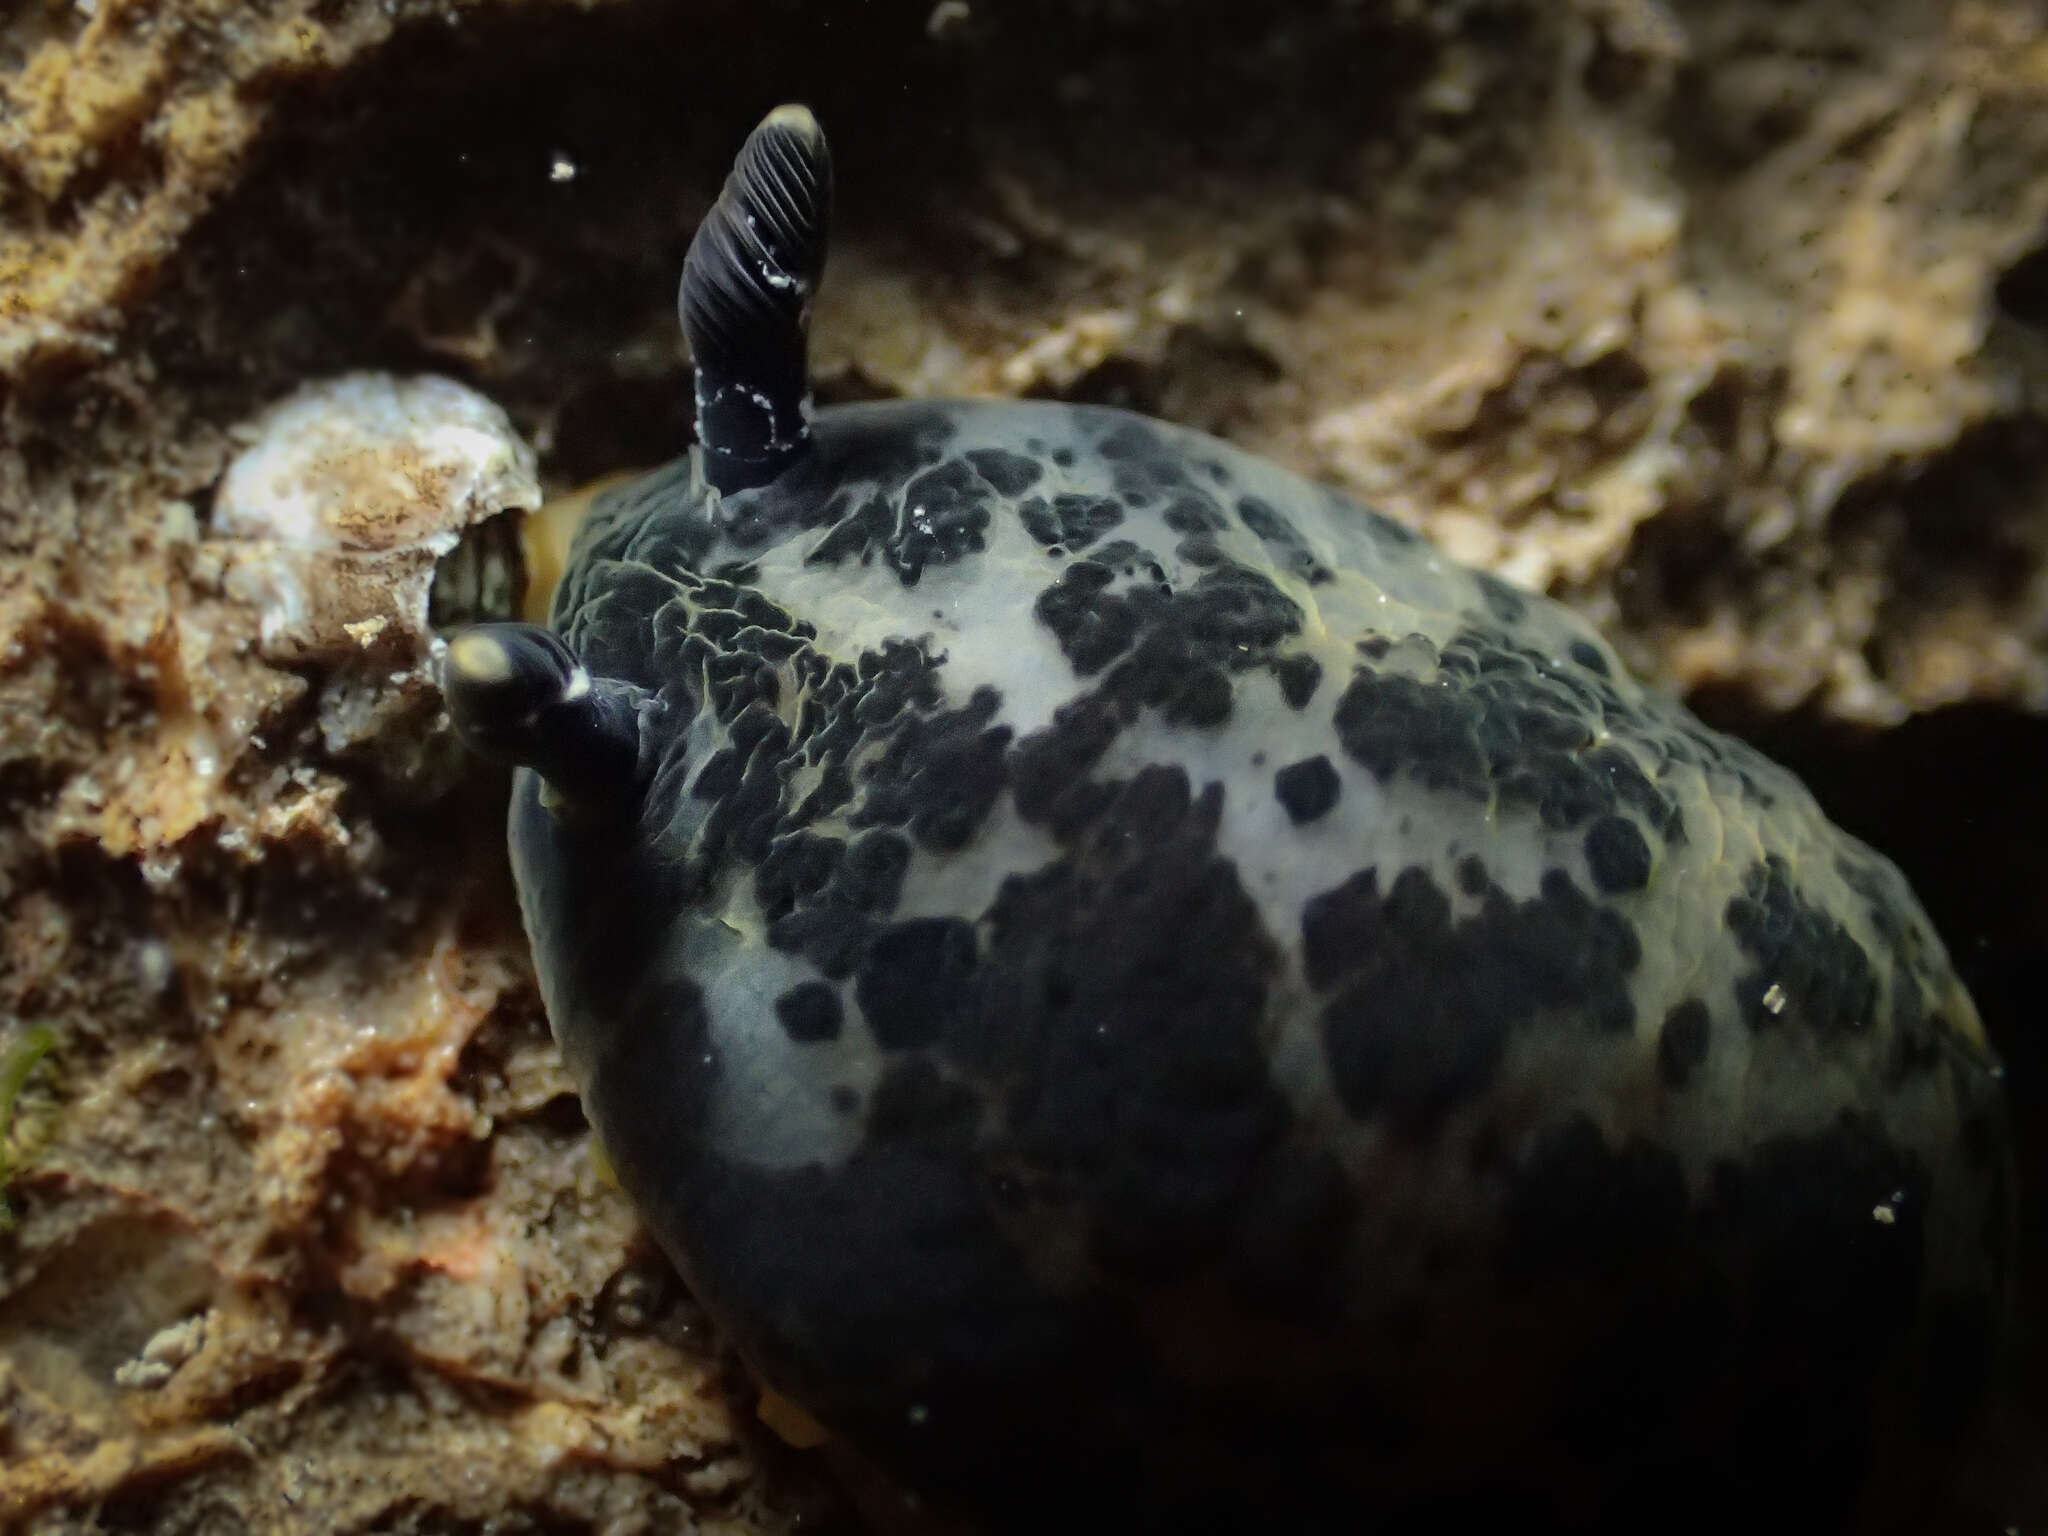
[1774,998]
[945,16]
[561,168]
[155,967]
[1883,1215]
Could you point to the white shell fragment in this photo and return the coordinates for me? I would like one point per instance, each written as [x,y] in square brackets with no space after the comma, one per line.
[349,493]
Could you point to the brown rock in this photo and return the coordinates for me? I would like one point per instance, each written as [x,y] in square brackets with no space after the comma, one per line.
[1720,318]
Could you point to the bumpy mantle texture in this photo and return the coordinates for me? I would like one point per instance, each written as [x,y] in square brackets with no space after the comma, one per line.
[1719,321]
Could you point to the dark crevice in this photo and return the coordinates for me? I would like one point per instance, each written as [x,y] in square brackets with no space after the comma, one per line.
[410,215]
[2023,289]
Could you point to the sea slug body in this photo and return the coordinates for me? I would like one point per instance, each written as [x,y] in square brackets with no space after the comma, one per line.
[1141,994]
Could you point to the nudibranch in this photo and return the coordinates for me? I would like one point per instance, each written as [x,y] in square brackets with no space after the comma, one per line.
[1142,995]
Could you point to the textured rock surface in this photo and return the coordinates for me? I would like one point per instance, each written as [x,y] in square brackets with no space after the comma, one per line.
[1721,320]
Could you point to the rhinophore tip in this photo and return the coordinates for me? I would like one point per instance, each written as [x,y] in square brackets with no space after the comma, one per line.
[746,296]
[517,695]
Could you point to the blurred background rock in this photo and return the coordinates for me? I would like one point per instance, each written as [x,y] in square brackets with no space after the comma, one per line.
[1724,320]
